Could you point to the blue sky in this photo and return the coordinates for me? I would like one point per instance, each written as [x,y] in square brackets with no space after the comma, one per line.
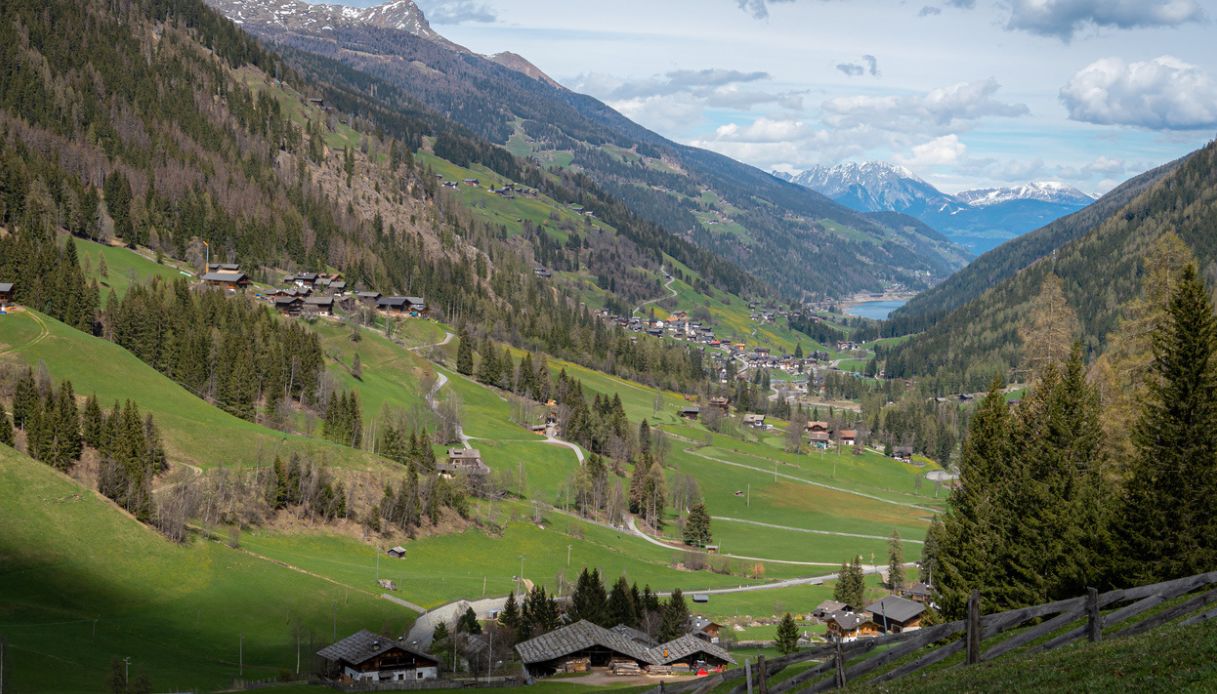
[966,93]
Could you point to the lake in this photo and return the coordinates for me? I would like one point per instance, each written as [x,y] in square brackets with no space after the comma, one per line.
[876,310]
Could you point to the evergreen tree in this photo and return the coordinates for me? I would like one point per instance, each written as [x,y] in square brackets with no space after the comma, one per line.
[6,429]
[588,601]
[468,623]
[674,619]
[787,641]
[697,527]
[969,540]
[895,563]
[622,607]
[92,423]
[1168,521]
[25,400]
[510,614]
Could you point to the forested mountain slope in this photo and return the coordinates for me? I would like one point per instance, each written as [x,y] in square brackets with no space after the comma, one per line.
[738,212]
[1099,267]
[1001,263]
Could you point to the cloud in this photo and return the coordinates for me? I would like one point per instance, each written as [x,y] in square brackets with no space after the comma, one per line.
[962,4]
[449,12]
[870,66]
[937,152]
[699,82]
[759,9]
[664,100]
[1160,94]
[763,130]
[1063,18]
[939,110]
[929,10]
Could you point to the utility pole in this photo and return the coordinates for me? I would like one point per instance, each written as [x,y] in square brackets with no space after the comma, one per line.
[748,498]
[521,570]
[241,657]
[126,673]
[568,555]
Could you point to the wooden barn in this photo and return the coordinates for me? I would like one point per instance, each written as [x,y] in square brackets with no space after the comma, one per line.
[232,280]
[6,294]
[851,626]
[895,614]
[584,646]
[368,657]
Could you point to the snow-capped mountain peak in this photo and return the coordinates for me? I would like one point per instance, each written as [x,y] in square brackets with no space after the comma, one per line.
[873,186]
[297,15]
[1043,191]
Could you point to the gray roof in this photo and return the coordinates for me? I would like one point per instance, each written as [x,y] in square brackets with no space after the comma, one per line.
[583,635]
[917,589]
[363,646]
[320,300]
[848,620]
[685,646]
[699,623]
[830,606]
[6,286]
[369,295]
[286,300]
[895,609]
[635,635]
[224,276]
[393,301]
[577,637]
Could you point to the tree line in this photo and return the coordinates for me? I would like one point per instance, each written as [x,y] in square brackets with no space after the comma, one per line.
[1047,505]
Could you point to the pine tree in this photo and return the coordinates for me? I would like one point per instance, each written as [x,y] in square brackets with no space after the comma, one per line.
[588,601]
[895,563]
[1052,328]
[787,641]
[25,400]
[1167,520]
[92,423]
[621,607]
[697,527]
[510,614]
[6,429]
[468,623]
[969,541]
[674,620]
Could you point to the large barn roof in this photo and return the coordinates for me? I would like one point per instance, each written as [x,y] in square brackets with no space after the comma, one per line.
[583,635]
[685,646]
[363,646]
[895,608]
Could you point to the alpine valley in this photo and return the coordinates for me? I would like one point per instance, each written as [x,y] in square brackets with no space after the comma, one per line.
[337,356]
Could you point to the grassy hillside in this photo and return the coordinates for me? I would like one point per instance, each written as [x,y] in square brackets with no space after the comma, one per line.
[1172,659]
[195,432]
[83,583]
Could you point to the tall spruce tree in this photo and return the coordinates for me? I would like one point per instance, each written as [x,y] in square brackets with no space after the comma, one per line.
[787,640]
[464,354]
[895,563]
[697,527]
[621,607]
[588,601]
[1168,521]
[969,541]
[674,621]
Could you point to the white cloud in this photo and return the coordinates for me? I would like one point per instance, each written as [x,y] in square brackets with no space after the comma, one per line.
[937,111]
[1160,94]
[937,152]
[759,9]
[869,65]
[763,130]
[1063,18]
[450,12]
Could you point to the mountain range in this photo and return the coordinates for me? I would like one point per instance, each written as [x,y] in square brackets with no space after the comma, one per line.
[734,211]
[978,220]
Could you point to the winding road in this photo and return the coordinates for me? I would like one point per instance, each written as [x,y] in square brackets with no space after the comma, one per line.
[671,295]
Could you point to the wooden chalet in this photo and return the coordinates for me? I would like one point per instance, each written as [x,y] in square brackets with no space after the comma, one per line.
[366,657]
[756,421]
[721,403]
[232,280]
[6,294]
[918,592]
[404,305]
[690,412]
[467,461]
[319,305]
[397,552]
[903,454]
[288,305]
[819,426]
[851,626]
[820,439]
[584,646]
[829,607]
[847,437]
[895,614]
[705,629]
[368,299]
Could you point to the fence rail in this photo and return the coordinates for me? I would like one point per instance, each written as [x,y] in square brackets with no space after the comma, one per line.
[1093,616]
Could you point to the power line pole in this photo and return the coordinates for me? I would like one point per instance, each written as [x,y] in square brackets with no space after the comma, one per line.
[241,657]
[126,673]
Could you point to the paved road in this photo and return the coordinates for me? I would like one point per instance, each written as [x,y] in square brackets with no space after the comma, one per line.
[671,294]
[808,530]
[559,442]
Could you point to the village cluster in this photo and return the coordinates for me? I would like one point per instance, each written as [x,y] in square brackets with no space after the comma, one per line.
[582,646]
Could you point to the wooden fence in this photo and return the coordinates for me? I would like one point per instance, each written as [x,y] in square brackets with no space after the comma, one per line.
[1093,616]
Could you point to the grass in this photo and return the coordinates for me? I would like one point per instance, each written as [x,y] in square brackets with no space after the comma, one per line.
[84,584]
[124,267]
[195,432]
[1171,659]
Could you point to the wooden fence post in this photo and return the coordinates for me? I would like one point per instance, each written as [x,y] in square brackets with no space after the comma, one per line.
[839,662]
[763,687]
[1094,621]
[974,628]
[748,673]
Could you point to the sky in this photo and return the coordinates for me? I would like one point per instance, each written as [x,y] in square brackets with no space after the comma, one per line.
[965,93]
